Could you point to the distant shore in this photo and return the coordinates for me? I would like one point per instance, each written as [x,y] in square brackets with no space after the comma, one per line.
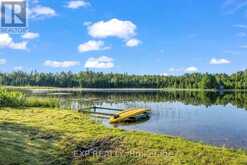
[112,90]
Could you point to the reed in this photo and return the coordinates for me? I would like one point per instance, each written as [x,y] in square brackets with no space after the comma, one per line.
[11,98]
[16,99]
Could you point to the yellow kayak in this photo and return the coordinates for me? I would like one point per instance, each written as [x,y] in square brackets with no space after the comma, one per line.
[130,114]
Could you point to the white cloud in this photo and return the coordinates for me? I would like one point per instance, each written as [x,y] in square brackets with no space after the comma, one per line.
[41,12]
[75,4]
[11,0]
[164,74]
[191,69]
[220,61]
[102,62]
[171,69]
[92,45]
[61,64]
[30,35]
[18,68]
[3,61]
[20,45]
[175,69]
[133,42]
[112,28]
[7,42]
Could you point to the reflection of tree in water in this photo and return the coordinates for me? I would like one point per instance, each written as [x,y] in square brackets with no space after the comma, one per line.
[238,99]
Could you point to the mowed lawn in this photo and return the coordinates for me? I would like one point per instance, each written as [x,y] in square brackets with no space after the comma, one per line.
[51,136]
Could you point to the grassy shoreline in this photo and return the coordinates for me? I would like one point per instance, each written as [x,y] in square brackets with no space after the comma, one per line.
[49,136]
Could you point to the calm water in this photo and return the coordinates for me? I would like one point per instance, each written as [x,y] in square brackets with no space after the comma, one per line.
[214,118]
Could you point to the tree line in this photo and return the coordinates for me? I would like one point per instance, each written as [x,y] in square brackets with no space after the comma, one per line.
[89,79]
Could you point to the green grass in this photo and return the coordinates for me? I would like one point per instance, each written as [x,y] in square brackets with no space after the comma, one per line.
[45,102]
[49,136]
[11,98]
[27,87]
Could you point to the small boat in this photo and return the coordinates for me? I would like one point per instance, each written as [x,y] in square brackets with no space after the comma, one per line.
[131,115]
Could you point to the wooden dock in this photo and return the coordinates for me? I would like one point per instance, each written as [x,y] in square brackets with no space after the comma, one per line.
[93,110]
[98,113]
[110,109]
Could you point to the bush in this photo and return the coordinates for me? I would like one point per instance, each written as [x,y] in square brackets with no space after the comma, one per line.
[11,98]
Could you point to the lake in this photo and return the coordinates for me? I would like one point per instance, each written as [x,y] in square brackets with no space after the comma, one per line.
[210,117]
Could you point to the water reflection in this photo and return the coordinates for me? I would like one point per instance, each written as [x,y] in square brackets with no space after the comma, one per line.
[211,117]
[238,99]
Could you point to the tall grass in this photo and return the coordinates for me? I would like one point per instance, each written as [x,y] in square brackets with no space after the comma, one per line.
[42,102]
[18,99]
[11,98]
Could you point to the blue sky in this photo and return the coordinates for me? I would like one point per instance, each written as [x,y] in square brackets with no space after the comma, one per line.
[169,37]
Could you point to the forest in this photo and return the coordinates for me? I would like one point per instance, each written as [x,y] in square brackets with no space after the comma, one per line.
[89,79]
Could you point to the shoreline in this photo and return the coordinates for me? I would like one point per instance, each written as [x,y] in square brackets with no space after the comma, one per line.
[61,133]
[116,90]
